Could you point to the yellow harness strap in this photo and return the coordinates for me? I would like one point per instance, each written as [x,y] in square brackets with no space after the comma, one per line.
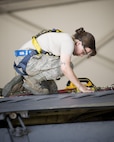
[36,44]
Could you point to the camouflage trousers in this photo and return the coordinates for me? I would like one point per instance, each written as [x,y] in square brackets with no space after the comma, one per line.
[42,70]
[44,66]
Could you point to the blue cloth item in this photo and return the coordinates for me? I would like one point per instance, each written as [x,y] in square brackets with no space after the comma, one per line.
[22,52]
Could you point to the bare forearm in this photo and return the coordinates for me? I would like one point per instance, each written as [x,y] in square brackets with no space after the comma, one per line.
[68,72]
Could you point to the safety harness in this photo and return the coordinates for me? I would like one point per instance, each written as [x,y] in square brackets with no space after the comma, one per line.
[21,67]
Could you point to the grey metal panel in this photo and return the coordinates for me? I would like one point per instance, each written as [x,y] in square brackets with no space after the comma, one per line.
[4,135]
[72,132]
[61,101]
[68,132]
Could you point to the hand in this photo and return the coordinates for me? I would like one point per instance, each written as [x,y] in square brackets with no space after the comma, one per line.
[85,89]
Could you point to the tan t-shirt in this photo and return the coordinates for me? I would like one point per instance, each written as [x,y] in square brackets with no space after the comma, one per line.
[56,43]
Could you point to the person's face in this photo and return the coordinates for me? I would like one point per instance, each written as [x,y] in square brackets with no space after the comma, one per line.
[80,50]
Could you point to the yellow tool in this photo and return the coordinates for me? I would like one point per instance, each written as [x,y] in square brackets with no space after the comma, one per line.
[87,82]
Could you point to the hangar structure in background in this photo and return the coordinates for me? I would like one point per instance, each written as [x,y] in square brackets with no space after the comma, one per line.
[11,6]
[8,6]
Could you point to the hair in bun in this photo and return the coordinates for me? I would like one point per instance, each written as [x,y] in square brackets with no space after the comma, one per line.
[86,38]
[80,30]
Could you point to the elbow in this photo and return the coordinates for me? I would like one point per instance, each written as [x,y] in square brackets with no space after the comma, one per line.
[64,70]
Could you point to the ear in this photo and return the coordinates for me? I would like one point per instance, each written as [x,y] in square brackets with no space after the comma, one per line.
[78,42]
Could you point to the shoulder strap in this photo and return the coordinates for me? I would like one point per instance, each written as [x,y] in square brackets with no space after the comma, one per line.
[47,31]
[36,44]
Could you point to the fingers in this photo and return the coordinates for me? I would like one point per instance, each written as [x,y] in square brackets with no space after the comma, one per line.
[89,89]
[86,89]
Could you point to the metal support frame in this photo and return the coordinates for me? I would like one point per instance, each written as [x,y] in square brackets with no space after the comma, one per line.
[18,131]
